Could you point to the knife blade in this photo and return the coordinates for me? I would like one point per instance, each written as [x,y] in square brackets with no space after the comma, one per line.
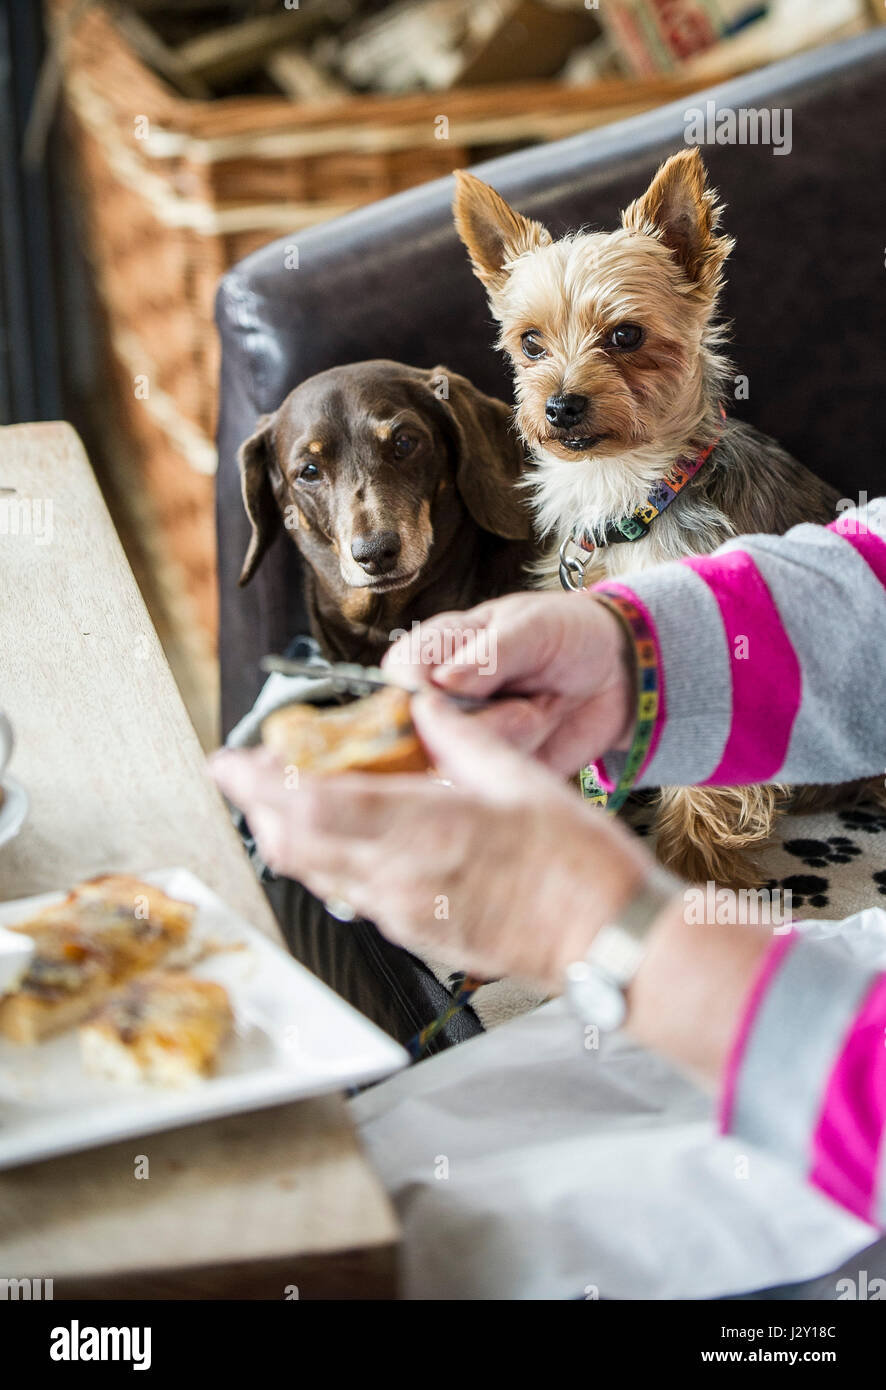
[355,679]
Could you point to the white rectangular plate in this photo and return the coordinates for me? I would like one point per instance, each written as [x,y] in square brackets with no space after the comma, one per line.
[293,1037]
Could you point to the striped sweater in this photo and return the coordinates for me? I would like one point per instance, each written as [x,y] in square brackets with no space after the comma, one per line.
[771,657]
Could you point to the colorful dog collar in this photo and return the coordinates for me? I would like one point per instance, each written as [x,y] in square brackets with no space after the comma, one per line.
[635,526]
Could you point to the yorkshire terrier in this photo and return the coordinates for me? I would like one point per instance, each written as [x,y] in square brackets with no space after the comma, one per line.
[620,379]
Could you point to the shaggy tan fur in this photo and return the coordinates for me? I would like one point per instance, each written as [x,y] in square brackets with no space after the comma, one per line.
[704,833]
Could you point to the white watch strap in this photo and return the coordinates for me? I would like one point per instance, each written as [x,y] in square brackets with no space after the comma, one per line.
[595,986]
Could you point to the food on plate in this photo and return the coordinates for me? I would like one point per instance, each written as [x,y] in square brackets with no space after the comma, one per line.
[372,734]
[15,955]
[165,1028]
[104,932]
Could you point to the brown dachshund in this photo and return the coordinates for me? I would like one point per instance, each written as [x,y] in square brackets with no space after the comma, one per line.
[398,487]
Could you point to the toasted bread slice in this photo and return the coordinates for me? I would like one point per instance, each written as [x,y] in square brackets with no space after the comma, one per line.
[165,1028]
[372,734]
[103,932]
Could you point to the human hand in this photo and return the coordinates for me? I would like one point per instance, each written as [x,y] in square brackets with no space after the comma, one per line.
[506,871]
[564,658]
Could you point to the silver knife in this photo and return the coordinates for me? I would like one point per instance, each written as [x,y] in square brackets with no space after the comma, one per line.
[350,677]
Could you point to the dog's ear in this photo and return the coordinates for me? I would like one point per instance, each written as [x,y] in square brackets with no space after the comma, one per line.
[489,455]
[491,230]
[680,209]
[253,456]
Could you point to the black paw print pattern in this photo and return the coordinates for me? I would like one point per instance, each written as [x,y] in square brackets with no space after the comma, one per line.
[873,822]
[806,890]
[880,879]
[818,854]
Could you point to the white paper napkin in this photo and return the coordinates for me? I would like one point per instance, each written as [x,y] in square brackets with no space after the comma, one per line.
[524,1166]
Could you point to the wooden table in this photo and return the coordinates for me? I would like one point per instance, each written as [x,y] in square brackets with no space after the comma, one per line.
[242,1207]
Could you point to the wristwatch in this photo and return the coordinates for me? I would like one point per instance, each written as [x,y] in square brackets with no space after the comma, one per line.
[596,987]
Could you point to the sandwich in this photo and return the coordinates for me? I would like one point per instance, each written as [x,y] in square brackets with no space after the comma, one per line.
[371,734]
[103,933]
[165,1028]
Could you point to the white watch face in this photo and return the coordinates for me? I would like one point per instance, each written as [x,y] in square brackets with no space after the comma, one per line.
[595,986]
[597,1000]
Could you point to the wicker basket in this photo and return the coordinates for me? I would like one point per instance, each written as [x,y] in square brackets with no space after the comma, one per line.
[176,191]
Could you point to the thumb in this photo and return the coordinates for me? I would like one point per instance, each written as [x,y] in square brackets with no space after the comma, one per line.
[465,751]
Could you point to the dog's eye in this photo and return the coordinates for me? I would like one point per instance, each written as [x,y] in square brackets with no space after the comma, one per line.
[309,474]
[403,445]
[626,336]
[533,347]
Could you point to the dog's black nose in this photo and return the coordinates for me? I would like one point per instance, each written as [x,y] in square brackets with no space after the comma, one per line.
[565,411]
[376,553]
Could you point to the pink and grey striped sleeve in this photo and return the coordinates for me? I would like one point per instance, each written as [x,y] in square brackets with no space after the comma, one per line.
[767,653]
[771,657]
[806,1078]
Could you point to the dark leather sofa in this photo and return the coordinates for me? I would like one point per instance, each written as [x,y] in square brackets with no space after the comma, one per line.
[807,293]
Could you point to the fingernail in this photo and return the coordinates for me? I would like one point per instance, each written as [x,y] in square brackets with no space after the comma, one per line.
[448,676]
